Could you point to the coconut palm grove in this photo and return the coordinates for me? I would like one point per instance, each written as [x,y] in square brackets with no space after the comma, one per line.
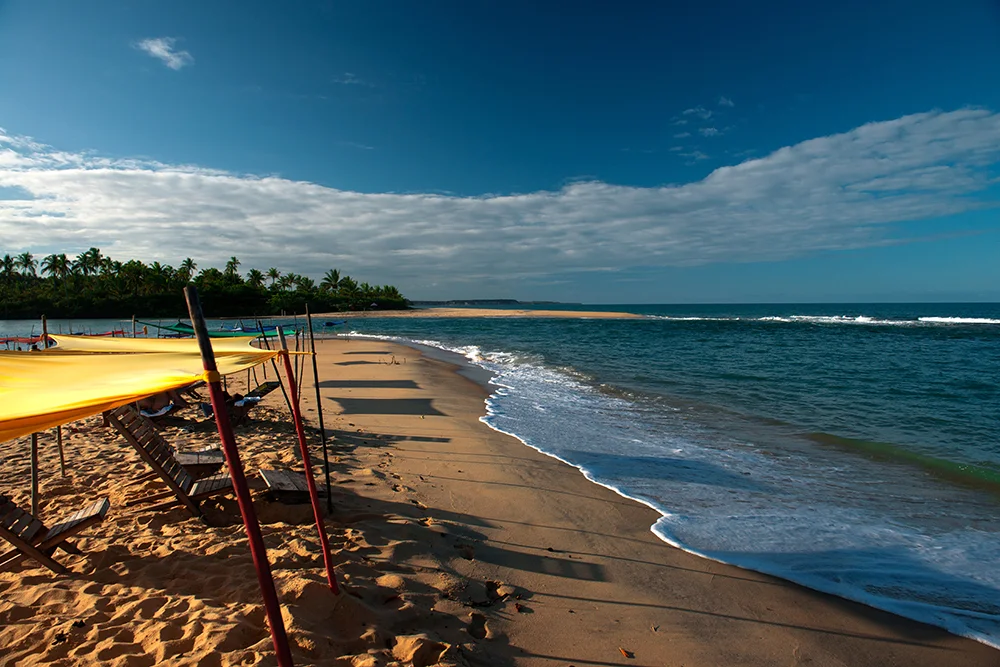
[94,285]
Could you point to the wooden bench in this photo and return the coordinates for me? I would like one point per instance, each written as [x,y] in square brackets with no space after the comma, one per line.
[289,486]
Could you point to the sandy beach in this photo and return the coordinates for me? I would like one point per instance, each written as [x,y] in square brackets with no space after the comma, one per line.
[456,545]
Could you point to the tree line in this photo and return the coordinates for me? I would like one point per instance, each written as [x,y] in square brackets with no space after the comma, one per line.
[93,285]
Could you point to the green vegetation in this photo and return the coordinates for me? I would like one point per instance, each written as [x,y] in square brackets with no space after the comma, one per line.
[93,285]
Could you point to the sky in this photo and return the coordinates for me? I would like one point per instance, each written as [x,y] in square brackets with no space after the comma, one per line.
[619,152]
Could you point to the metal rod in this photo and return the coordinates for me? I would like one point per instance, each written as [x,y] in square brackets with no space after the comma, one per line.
[310,481]
[319,411]
[257,549]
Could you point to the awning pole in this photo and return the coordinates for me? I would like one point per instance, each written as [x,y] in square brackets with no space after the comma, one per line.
[257,549]
[319,410]
[310,482]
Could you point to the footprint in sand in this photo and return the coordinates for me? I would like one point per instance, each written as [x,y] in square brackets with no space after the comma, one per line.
[477,626]
[467,551]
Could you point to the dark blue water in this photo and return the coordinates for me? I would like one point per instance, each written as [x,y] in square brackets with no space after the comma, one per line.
[851,448]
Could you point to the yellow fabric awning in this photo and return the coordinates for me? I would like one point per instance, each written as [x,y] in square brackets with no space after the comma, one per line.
[39,390]
[132,345]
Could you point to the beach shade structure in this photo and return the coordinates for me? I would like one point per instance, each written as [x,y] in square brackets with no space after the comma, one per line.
[187,330]
[42,390]
[30,538]
[307,463]
[257,549]
[157,453]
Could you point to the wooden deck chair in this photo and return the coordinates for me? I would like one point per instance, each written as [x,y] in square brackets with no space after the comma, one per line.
[33,539]
[239,407]
[156,452]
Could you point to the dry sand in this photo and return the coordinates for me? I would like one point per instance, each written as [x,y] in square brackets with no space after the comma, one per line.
[456,545]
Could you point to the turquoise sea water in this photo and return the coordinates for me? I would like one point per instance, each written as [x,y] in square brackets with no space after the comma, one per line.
[852,448]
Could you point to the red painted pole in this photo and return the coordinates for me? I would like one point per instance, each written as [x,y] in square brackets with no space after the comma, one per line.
[257,549]
[310,482]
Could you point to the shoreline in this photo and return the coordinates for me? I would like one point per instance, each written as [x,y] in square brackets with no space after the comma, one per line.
[455,544]
[792,615]
[483,376]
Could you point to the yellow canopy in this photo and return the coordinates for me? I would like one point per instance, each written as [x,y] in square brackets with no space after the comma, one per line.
[132,345]
[39,390]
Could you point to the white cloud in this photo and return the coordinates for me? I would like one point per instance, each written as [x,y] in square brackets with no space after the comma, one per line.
[709,132]
[725,102]
[849,190]
[699,111]
[162,48]
[681,135]
[695,156]
[350,79]
[679,121]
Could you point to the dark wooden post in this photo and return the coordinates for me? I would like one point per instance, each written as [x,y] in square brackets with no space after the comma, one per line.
[34,474]
[257,549]
[319,410]
[62,457]
[307,461]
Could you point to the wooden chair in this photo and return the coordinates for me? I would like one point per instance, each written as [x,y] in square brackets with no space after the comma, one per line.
[33,539]
[156,452]
[239,407]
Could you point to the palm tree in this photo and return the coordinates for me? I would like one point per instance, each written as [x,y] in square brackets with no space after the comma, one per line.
[7,266]
[187,269]
[304,283]
[273,274]
[286,281]
[255,278]
[331,281]
[231,267]
[26,263]
[158,275]
[88,262]
[56,266]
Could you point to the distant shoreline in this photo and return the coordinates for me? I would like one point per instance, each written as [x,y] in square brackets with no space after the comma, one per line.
[483,312]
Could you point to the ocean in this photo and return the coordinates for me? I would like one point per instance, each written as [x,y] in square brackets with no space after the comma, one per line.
[851,448]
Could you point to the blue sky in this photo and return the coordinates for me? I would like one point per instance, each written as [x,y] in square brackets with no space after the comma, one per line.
[635,152]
